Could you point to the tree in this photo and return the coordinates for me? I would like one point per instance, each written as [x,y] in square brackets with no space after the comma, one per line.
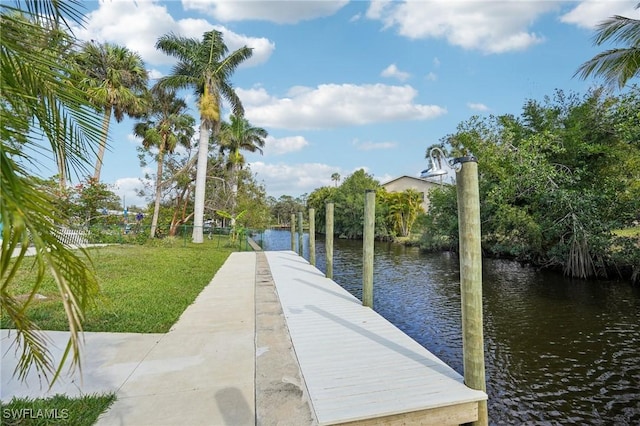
[336,178]
[115,80]
[404,208]
[205,67]
[618,65]
[554,183]
[236,135]
[166,126]
[349,202]
[35,89]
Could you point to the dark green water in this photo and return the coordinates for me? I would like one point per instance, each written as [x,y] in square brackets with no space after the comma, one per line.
[558,351]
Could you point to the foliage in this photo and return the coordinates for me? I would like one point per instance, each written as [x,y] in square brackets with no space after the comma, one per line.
[284,207]
[165,127]
[252,198]
[404,208]
[617,65]
[115,82]
[40,111]
[236,135]
[205,67]
[349,200]
[554,182]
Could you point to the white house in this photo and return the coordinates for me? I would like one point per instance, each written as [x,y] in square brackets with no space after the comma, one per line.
[403,183]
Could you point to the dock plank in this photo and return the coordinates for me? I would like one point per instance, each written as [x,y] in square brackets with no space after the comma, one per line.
[357,366]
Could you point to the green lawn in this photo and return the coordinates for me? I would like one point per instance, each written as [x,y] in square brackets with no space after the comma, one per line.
[57,410]
[144,288]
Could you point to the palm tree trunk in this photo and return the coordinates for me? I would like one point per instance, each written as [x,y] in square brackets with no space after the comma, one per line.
[103,143]
[156,207]
[234,192]
[201,180]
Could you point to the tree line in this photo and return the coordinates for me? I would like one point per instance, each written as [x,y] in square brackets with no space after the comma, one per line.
[556,182]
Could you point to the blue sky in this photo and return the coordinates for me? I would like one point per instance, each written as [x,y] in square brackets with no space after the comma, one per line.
[343,85]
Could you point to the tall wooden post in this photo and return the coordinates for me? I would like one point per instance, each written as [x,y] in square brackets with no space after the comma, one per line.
[300,234]
[471,280]
[367,247]
[329,239]
[293,232]
[312,236]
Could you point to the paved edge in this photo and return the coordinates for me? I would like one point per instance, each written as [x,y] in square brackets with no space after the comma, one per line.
[281,395]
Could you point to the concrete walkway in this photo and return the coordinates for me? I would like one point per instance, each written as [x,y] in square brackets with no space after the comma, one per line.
[201,372]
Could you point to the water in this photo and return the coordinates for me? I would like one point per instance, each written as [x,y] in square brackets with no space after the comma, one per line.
[558,351]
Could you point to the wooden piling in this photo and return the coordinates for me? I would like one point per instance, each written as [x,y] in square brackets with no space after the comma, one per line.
[471,280]
[312,236]
[367,247]
[300,235]
[293,232]
[329,240]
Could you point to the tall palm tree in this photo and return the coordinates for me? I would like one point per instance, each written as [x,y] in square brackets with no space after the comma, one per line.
[205,67]
[115,80]
[336,178]
[618,65]
[236,135]
[165,127]
[39,105]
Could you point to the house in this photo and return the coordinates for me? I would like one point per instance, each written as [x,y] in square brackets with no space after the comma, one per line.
[403,183]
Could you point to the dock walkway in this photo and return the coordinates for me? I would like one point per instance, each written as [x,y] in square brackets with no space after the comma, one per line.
[270,341]
[357,366]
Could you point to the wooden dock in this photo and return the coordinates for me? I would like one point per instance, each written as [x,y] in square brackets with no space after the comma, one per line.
[357,367]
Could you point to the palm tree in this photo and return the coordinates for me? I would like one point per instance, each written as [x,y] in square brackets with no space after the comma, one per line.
[619,65]
[165,127]
[205,67]
[336,178]
[39,105]
[234,136]
[115,80]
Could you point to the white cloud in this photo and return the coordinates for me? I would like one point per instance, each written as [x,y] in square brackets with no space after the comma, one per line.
[588,14]
[371,146]
[127,189]
[477,106]
[294,179]
[279,146]
[491,27]
[431,76]
[335,105]
[280,12]
[138,25]
[393,71]
[436,62]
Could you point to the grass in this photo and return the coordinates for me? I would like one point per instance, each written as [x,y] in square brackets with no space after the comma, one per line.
[57,410]
[144,289]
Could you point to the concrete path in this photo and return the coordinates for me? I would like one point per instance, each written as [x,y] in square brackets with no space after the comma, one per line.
[200,373]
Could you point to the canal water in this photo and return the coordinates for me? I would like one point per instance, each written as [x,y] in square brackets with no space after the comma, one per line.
[558,351]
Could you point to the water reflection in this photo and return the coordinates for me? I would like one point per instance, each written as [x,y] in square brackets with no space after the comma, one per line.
[558,351]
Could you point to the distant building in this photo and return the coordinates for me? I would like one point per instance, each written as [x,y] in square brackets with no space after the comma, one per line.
[403,183]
